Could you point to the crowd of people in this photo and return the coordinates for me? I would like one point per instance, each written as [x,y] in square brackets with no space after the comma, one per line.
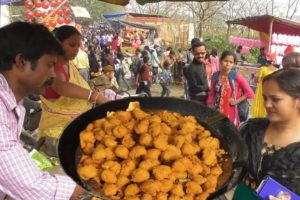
[71,79]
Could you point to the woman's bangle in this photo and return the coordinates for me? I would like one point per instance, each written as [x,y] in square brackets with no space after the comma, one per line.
[94,102]
[90,95]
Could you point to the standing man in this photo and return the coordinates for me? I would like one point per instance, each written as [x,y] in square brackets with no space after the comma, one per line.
[239,56]
[196,74]
[155,64]
[27,56]
[143,79]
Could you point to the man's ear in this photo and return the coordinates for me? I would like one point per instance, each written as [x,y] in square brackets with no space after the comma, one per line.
[20,62]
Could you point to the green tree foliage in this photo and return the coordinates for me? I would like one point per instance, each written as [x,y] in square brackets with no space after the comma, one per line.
[222,44]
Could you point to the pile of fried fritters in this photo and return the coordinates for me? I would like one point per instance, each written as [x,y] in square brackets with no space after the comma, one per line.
[159,155]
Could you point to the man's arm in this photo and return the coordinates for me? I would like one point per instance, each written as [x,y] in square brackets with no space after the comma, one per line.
[19,176]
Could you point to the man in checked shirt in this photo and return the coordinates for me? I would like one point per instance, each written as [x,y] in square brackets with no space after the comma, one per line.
[27,57]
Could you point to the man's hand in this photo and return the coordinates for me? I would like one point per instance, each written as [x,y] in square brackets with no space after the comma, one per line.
[79,191]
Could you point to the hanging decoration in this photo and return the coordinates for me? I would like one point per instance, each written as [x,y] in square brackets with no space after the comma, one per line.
[51,13]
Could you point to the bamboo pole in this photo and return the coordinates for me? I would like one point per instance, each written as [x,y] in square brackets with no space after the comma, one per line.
[228,30]
[270,34]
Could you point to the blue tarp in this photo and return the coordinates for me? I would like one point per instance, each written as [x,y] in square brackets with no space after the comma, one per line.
[7,2]
[113,15]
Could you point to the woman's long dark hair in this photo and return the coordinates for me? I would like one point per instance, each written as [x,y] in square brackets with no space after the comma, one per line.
[228,53]
[287,79]
[64,32]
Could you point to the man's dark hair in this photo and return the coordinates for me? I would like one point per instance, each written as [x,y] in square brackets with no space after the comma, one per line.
[32,41]
[172,52]
[291,60]
[195,40]
[147,48]
[64,32]
[198,44]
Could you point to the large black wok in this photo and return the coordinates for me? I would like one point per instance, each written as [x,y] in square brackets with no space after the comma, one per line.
[220,127]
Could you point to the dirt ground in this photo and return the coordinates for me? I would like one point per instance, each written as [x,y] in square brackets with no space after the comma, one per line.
[176,90]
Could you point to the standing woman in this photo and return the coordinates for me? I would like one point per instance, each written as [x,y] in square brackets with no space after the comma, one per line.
[69,95]
[274,142]
[257,109]
[228,88]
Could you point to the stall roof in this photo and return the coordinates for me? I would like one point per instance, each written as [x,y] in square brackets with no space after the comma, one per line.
[133,24]
[113,15]
[262,24]
[142,2]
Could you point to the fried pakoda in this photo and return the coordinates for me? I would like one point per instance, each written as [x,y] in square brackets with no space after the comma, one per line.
[109,189]
[193,188]
[148,164]
[152,154]
[140,175]
[121,151]
[137,151]
[151,187]
[131,190]
[113,166]
[171,153]
[87,172]
[158,155]
[161,172]
[87,140]
[127,167]
[108,176]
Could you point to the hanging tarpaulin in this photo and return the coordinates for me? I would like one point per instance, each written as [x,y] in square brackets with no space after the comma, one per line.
[113,15]
[137,25]
[8,2]
[80,12]
[4,15]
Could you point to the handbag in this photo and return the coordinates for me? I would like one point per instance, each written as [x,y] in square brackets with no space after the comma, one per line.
[243,109]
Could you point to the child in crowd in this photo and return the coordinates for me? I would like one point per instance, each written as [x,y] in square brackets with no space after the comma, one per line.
[165,79]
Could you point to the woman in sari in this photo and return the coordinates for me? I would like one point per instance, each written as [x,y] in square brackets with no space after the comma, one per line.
[228,88]
[257,109]
[69,95]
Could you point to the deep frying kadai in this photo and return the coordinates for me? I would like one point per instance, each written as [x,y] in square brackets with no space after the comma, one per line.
[233,165]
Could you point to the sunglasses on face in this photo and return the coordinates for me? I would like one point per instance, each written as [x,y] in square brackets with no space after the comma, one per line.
[199,53]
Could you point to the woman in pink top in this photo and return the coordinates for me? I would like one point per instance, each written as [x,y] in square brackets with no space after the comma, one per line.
[214,60]
[228,88]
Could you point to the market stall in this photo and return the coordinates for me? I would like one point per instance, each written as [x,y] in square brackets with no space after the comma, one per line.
[276,33]
[168,31]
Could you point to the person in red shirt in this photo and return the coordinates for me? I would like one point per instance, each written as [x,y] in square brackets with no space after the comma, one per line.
[144,78]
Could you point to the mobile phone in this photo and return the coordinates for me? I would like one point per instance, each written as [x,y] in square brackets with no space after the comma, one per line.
[269,186]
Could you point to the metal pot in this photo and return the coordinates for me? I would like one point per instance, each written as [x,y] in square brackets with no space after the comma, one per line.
[218,124]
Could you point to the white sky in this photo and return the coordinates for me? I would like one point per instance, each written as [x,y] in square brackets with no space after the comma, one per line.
[281,8]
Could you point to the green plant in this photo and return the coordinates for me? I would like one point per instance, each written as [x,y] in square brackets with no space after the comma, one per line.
[220,42]
[253,55]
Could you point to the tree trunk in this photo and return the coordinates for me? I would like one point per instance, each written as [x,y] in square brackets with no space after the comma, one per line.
[200,26]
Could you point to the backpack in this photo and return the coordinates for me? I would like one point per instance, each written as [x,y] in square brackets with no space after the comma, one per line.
[244,106]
